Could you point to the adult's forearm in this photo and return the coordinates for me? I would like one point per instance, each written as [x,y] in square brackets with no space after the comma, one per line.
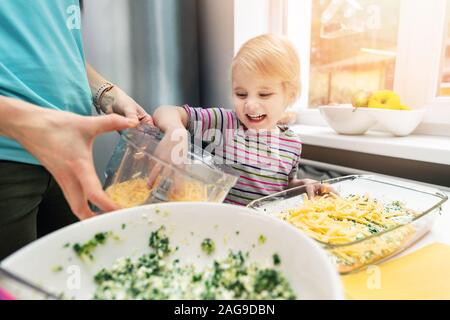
[95,79]
[17,116]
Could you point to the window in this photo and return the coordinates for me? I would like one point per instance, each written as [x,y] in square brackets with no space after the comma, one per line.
[347,45]
[353,47]
[444,85]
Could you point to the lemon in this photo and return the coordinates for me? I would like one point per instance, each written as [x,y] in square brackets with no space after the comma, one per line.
[385,99]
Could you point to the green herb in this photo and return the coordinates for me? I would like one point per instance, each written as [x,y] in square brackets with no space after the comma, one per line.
[276,259]
[372,229]
[197,277]
[208,246]
[159,242]
[266,279]
[123,226]
[57,268]
[84,251]
[101,237]
[262,239]
[397,204]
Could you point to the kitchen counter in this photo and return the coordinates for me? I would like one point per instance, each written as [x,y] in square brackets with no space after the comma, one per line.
[427,148]
[423,158]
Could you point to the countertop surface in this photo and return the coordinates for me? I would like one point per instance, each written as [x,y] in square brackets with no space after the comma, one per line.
[434,149]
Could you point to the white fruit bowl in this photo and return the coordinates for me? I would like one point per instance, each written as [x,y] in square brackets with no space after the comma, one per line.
[345,119]
[397,122]
[305,265]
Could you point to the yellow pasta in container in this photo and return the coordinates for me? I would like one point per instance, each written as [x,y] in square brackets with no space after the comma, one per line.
[368,220]
[137,156]
[129,193]
[338,221]
[188,191]
[136,192]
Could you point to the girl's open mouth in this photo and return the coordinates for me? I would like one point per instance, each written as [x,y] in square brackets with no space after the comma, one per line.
[255,118]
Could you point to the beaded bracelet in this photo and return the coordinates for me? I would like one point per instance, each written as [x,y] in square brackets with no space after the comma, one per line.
[97,98]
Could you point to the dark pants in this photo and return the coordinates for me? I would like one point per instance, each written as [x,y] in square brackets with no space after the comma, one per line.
[31,205]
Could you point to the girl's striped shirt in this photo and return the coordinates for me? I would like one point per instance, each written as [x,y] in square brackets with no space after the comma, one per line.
[265,161]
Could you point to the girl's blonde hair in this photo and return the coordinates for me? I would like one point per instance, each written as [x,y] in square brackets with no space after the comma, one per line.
[274,56]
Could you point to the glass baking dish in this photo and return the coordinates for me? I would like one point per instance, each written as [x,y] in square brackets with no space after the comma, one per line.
[418,207]
[134,158]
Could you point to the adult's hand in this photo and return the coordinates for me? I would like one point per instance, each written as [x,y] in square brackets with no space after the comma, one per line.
[117,101]
[63,142]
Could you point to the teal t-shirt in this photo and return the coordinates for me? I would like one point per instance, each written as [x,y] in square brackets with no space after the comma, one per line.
[42,60]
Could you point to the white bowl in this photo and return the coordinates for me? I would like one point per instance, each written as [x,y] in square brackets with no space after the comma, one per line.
[397,122]
[345,119]
[306,265]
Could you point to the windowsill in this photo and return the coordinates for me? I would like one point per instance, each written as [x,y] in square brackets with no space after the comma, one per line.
[434,149]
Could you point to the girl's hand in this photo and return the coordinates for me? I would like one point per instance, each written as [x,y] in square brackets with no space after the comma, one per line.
[172,150]
[313,187]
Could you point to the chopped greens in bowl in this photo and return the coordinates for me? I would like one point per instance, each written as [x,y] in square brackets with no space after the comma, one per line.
[152,276]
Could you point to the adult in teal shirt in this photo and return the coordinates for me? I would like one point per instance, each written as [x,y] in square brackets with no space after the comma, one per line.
[47,176]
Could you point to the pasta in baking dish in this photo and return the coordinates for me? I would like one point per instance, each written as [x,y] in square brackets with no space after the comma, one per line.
[341,224]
